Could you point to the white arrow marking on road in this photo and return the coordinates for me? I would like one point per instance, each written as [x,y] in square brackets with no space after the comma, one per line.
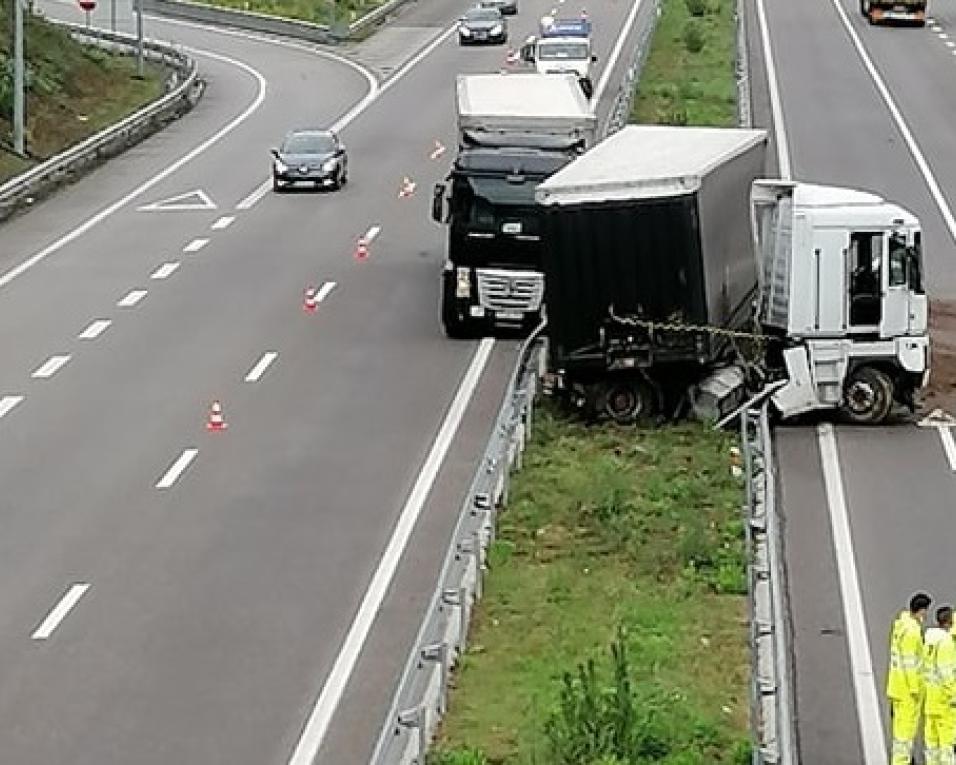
[164,271]
[95,329]
[191,200]
[7,403]
[177,468]
[943,422]
[50,367]
[261,366]
[59,612]
[131,298]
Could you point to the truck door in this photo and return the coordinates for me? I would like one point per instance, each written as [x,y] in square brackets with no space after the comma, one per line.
[865,282]
[896,303]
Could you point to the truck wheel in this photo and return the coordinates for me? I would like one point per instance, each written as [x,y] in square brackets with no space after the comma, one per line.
[628,401]
[867,396]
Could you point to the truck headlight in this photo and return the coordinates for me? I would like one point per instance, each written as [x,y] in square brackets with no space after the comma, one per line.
[463,283]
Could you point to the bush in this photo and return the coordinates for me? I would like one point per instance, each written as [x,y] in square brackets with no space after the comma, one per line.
[696,8]
[458,756]
[694,36]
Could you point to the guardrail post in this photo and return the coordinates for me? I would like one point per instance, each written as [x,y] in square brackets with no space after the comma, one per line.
[439,652]
[417,718]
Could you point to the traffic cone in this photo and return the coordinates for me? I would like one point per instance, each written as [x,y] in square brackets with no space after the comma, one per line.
[408,188]
[216,421]
[310,303]
[584,14]
[437,151]
[361,249]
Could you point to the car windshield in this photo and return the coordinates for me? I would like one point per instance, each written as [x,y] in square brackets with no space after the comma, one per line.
[562,50]
[308,143]
[482,14]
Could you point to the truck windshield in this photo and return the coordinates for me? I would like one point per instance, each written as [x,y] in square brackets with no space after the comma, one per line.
[561,51]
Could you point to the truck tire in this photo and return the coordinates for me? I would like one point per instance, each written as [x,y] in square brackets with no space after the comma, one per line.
[867,396]
[627,401]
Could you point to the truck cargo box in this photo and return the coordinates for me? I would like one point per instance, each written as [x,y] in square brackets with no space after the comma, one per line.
[654,223]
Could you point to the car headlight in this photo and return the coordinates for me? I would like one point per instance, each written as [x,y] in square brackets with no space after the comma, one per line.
[280,166]
[464,31]
[497,29]
[329,166]
[463,284]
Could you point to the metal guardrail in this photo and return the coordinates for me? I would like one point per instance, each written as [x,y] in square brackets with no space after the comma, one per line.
[771,709]
[184,88]
[421,698]
[621,109]
[266,23]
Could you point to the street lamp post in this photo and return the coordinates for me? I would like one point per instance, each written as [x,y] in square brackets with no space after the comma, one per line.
[18,79]
[139,38]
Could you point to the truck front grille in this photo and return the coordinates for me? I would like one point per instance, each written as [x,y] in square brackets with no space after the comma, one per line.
[510,290]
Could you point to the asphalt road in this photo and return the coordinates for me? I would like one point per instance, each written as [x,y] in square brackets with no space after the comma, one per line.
[171,595]
[868,512]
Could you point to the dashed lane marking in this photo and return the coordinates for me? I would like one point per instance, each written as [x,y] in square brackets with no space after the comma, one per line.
[60,611]
[95,329]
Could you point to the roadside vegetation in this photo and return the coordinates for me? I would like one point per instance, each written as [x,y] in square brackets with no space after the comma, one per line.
[73,91]
[315,11]
[612,628]
[688,78]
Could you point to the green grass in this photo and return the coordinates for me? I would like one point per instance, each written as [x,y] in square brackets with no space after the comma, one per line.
[611,527]
[681,87]
[73,91]
[316,11]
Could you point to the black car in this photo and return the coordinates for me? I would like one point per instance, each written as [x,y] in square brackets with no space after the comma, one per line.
[482,25]
[310,156]
[507,7]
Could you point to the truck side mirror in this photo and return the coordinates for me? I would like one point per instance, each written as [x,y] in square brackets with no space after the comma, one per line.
[593,58]
[438,203]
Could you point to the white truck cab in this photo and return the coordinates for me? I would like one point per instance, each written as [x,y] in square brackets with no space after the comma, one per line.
[841,283]
[563,47]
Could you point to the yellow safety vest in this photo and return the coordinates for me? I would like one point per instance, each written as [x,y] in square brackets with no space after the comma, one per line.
[905,679]
[939,671]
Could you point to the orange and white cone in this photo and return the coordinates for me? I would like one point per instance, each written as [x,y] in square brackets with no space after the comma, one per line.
[311,302]
[437,151]
[408,188]
[361,249]
[216,420]
[512,57]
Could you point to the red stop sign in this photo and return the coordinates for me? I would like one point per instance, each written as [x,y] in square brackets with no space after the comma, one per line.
[87,5]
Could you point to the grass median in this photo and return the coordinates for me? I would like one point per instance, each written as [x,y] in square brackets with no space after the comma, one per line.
[315,11]
[73,91]
[612,629]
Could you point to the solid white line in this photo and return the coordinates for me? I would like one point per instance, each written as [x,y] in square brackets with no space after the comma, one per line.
[165,271]
[949,446]
[615,54]
[255,195]
[318,724]
[17,270]
[95,329]
[776,104]
[7,403]
[50,367]
[324,291]
[261,366]
[224,222]
[132,298]
[195,245]
[901,125]
[177,468]
[60,610]
[373,232]
[861,663]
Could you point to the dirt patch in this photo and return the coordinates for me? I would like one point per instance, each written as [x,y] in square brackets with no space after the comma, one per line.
[941,392]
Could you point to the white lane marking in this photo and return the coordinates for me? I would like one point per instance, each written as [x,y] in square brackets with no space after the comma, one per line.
[60,611]
[195,245]
[943,36]
[95,329]
[318,724]
[224,222]
[255,195]
[949,445]
[50,367]
[7,403]
[373,95]
[165,271]
[89,223]
[904,129]
[324,291]
[373,232]
[177,468]
[950,44]
[861,663]
[132,298]
[190,200]
[615,54]
[776,104]
[261,366]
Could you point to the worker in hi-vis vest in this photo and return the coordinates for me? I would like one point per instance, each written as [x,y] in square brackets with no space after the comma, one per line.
[939,673]
[904,682]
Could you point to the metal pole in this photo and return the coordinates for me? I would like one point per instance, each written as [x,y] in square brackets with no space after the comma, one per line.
[139,38]
[112,15]
[18,83]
